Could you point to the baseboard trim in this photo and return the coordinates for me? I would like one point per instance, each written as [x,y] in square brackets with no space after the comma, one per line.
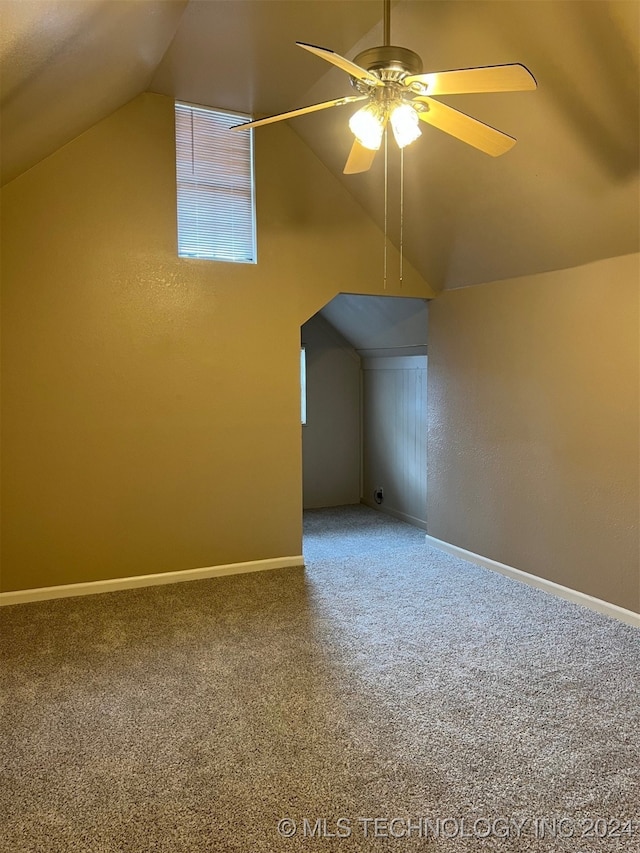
[401,516]
[597,604]
[23,596]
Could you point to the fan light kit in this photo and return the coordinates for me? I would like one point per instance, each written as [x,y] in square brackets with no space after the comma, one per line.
[390,79]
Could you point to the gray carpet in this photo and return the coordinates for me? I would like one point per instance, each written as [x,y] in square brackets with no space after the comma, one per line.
[354,531]
[387,680]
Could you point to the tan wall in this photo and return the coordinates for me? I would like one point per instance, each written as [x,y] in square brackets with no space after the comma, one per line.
[533,425]
[331,450]
[151,404]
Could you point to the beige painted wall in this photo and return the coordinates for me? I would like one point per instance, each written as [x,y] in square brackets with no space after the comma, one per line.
[151,404]
[533,425]
[331,449]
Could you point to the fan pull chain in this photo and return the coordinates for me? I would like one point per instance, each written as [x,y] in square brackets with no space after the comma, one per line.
[386,205]
[401,211]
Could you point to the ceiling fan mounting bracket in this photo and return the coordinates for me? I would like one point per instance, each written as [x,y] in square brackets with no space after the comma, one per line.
[388,62]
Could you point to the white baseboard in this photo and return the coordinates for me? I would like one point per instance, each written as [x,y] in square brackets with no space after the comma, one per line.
[597,604]
[401,516]
[22,596]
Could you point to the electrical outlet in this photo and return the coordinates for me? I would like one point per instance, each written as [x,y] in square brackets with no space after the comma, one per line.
[378,495]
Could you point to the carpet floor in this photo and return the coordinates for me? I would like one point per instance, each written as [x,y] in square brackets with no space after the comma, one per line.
[388,697]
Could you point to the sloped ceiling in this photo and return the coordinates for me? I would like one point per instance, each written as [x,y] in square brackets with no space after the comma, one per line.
[391,324]
[234,55]
[67,64]
[566,194]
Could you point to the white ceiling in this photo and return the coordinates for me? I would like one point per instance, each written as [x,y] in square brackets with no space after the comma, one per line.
[568,193]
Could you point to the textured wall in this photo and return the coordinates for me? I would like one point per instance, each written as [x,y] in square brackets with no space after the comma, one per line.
[331,438]
[151,409]
[533,425]
[395,435]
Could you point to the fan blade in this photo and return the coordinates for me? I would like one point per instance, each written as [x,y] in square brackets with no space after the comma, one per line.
[468,129]
[492,78]
[360,159]
[337,102]
[345,64]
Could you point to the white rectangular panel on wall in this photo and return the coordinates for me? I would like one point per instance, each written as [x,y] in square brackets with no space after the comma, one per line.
[394,434]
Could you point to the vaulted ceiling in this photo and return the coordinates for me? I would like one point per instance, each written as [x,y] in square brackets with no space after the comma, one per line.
[568,193]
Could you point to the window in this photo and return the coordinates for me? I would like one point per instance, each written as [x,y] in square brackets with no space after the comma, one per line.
[214,168]
[303,385]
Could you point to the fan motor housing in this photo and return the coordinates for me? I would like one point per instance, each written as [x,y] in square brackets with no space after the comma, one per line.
[388,62]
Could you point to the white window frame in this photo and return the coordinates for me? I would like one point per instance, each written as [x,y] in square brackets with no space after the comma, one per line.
[217,183]
[303,385]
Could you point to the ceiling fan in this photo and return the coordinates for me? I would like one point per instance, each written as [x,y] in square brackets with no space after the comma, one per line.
[390,79]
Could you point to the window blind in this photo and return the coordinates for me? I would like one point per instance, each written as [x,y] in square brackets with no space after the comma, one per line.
[214,170]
